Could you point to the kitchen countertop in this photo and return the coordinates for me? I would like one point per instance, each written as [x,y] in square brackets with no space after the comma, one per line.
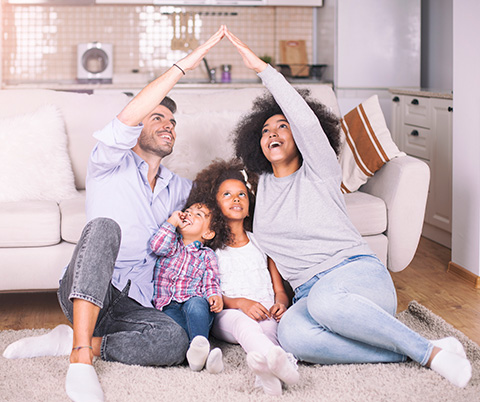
[426,92]
[135,85]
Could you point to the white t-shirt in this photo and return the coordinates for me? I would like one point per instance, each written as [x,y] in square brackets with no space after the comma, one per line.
[244,272]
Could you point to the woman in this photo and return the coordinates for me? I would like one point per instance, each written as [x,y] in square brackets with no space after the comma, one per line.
[345,300]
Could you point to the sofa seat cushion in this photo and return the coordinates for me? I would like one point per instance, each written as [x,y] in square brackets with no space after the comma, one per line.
[73,218]
[29,223]
[367,212]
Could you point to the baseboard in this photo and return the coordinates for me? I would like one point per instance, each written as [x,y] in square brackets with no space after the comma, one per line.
[464,274]
[437,235]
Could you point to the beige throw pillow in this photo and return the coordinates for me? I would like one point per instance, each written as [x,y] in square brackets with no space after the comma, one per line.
[368,144]
[34,162]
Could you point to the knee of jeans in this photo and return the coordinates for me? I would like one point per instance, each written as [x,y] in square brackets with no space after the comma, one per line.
[289,334]
[107,226]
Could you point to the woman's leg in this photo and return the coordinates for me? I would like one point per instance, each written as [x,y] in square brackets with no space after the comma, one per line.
[348,317]
[358,301]
[309,341]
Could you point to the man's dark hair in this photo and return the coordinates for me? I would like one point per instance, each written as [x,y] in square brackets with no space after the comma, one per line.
[170,104]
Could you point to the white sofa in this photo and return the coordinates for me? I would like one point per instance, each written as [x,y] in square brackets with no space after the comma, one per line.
[37,237]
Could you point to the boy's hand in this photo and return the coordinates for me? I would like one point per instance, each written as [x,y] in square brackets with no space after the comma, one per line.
[216,303]
[277,310]
[177,219]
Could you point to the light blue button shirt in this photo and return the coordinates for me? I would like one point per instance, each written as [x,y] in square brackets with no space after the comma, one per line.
[118,188]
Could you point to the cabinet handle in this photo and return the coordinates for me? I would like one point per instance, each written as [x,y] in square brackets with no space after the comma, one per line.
[129,94]
[450,109]
[414,102]
[414,133]
[396,99]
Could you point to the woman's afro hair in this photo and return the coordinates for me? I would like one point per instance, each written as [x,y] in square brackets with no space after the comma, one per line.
[248,132]
[205,189]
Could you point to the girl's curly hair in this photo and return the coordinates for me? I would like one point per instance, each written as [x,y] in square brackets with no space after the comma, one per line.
[248,131]
[205,189]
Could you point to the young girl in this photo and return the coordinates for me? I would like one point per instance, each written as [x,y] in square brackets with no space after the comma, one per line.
[253,292]
[345,300]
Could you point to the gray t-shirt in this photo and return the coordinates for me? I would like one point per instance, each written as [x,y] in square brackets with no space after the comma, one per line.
[301,220]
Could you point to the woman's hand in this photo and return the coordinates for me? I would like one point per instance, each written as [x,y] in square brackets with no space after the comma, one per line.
[194,58]
[255,310]
[250,59]
[277,310]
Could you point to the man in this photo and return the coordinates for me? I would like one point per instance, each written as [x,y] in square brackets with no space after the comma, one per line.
[106,290]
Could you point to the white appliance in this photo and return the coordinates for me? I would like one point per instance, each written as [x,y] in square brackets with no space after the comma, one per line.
[377,46]
[95,62]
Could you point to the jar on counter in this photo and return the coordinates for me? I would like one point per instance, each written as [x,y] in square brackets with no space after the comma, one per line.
[226,73]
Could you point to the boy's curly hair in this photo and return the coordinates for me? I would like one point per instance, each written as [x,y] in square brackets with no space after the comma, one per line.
[248,131]
[205,189]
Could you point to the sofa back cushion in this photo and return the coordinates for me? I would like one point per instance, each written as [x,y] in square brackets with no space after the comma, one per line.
[206,118]
[83,114]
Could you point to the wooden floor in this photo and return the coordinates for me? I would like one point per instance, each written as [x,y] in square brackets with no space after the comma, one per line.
[425,281]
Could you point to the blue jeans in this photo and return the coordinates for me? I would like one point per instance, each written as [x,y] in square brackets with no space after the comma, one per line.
[194,316]
[131,333]
[347,315]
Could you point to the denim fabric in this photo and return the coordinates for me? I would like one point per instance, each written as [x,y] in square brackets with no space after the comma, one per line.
[132,333]
[347,315]
[194,316]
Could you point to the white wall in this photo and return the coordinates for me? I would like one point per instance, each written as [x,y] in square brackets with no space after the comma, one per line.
[466,135]
[437,44]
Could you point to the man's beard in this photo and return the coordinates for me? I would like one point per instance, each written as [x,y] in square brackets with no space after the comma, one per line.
[148,144]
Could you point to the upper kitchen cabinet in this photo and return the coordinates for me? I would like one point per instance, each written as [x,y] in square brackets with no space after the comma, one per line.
[53,2]
[297,3]
[188,2]
[234,3]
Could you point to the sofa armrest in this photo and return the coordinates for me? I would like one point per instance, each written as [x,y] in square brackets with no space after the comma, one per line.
[402,184]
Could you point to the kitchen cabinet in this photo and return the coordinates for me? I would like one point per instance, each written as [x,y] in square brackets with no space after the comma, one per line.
[422,127]
[298,3]
[188,2]
[234,3]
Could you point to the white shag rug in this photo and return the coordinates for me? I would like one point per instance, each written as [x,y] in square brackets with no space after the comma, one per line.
[42,378]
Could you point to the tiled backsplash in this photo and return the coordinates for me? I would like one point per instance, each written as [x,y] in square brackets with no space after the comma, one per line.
[40,42]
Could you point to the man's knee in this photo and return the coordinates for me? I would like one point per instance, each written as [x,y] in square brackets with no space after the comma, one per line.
[172,346]
[104,227]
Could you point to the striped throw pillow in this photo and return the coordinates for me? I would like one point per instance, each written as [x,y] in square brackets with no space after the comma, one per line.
[368,144]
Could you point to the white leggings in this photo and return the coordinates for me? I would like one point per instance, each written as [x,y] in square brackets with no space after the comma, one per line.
[234,326]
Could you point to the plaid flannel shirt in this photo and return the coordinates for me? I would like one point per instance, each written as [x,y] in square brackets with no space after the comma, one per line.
[182,272]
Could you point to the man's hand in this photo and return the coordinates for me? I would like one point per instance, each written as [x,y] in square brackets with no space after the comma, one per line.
[277,310]
[194,58]
[216,303]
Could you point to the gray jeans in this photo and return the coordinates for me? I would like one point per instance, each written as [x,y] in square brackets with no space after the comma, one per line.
[131,333]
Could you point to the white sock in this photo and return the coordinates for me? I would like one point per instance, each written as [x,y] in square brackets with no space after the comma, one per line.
[197,353]
[450,344]
[58,342]
[214,361]
[451,366]
[270,383]
[280,365]
[82,383]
